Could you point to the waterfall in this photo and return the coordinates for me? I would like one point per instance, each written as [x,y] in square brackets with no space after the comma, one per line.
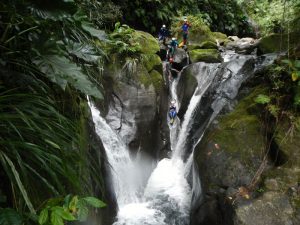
[206,75]
[174,186]
[124,176]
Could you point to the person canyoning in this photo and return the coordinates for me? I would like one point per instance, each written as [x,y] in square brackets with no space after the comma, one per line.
[185,30]
[171,49]
[172,112]
[163,34]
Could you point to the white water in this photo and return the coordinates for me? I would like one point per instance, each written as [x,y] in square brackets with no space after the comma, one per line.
[206,76]
[124,174]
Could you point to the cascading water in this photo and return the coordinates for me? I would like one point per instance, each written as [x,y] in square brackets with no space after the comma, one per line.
[174,185]
[125,183]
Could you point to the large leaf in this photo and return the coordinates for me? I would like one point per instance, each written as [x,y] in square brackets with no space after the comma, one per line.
[61,70]
[100,34]
[94,202]
[84,52]
[10,217]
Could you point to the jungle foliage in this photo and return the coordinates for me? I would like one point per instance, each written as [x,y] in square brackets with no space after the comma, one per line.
[49,61]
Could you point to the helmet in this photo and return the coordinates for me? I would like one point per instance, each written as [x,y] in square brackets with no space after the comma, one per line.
[173,102]
[164,26]
[173,38]
[185,20]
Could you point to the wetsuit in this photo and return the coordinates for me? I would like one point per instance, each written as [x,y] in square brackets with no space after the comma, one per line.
[185,31]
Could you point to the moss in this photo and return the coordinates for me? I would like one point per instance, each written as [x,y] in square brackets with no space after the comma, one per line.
[209,45]
[149,45]
[240,131]
[147,79]
[205,55]
[156,79]
[151,61]
[220,37]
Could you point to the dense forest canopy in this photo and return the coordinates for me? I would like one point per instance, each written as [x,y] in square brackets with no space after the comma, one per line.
[52,53]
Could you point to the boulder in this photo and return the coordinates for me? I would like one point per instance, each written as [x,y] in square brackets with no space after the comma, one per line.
[243,45]
[205,55]
[149,45]
[270,209]
[203,45]
[229,156]
[180,58]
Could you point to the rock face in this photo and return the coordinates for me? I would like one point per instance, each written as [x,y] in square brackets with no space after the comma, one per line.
[229,157]
[136,100]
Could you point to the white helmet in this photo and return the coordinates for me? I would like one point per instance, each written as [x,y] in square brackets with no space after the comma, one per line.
[173,38]
[164,26]
[173,102]
[185,20]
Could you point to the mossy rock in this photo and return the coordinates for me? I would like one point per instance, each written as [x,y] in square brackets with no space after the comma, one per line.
[209,45]
[149,45]
[205,55]
[153,78]
[194,46]
[222,38]
[278,42]
[151,61]
[240,144]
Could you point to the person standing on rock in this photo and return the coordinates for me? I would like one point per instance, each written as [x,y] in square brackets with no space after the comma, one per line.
[185,31]
[163,34]
[172,48]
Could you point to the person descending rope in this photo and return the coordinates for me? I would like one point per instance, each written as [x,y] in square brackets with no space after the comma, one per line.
[172,112]
[172,48]
[163,34]
[185,31]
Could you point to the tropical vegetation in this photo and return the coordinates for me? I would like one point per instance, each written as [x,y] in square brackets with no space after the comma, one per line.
[52,57]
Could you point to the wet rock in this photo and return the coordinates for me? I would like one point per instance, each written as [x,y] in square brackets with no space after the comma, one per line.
[180,58]
[186,87]
[136,99]
[243,45]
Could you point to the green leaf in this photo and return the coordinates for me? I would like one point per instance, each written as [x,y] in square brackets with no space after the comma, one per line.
[94,202]
[73,204]
[262,99]
[83,210]
[43,217]
[297,64]
[83,213]
[56,219]
[63,214]
[61,70]
[100,34]
[19,183]
[10,217]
